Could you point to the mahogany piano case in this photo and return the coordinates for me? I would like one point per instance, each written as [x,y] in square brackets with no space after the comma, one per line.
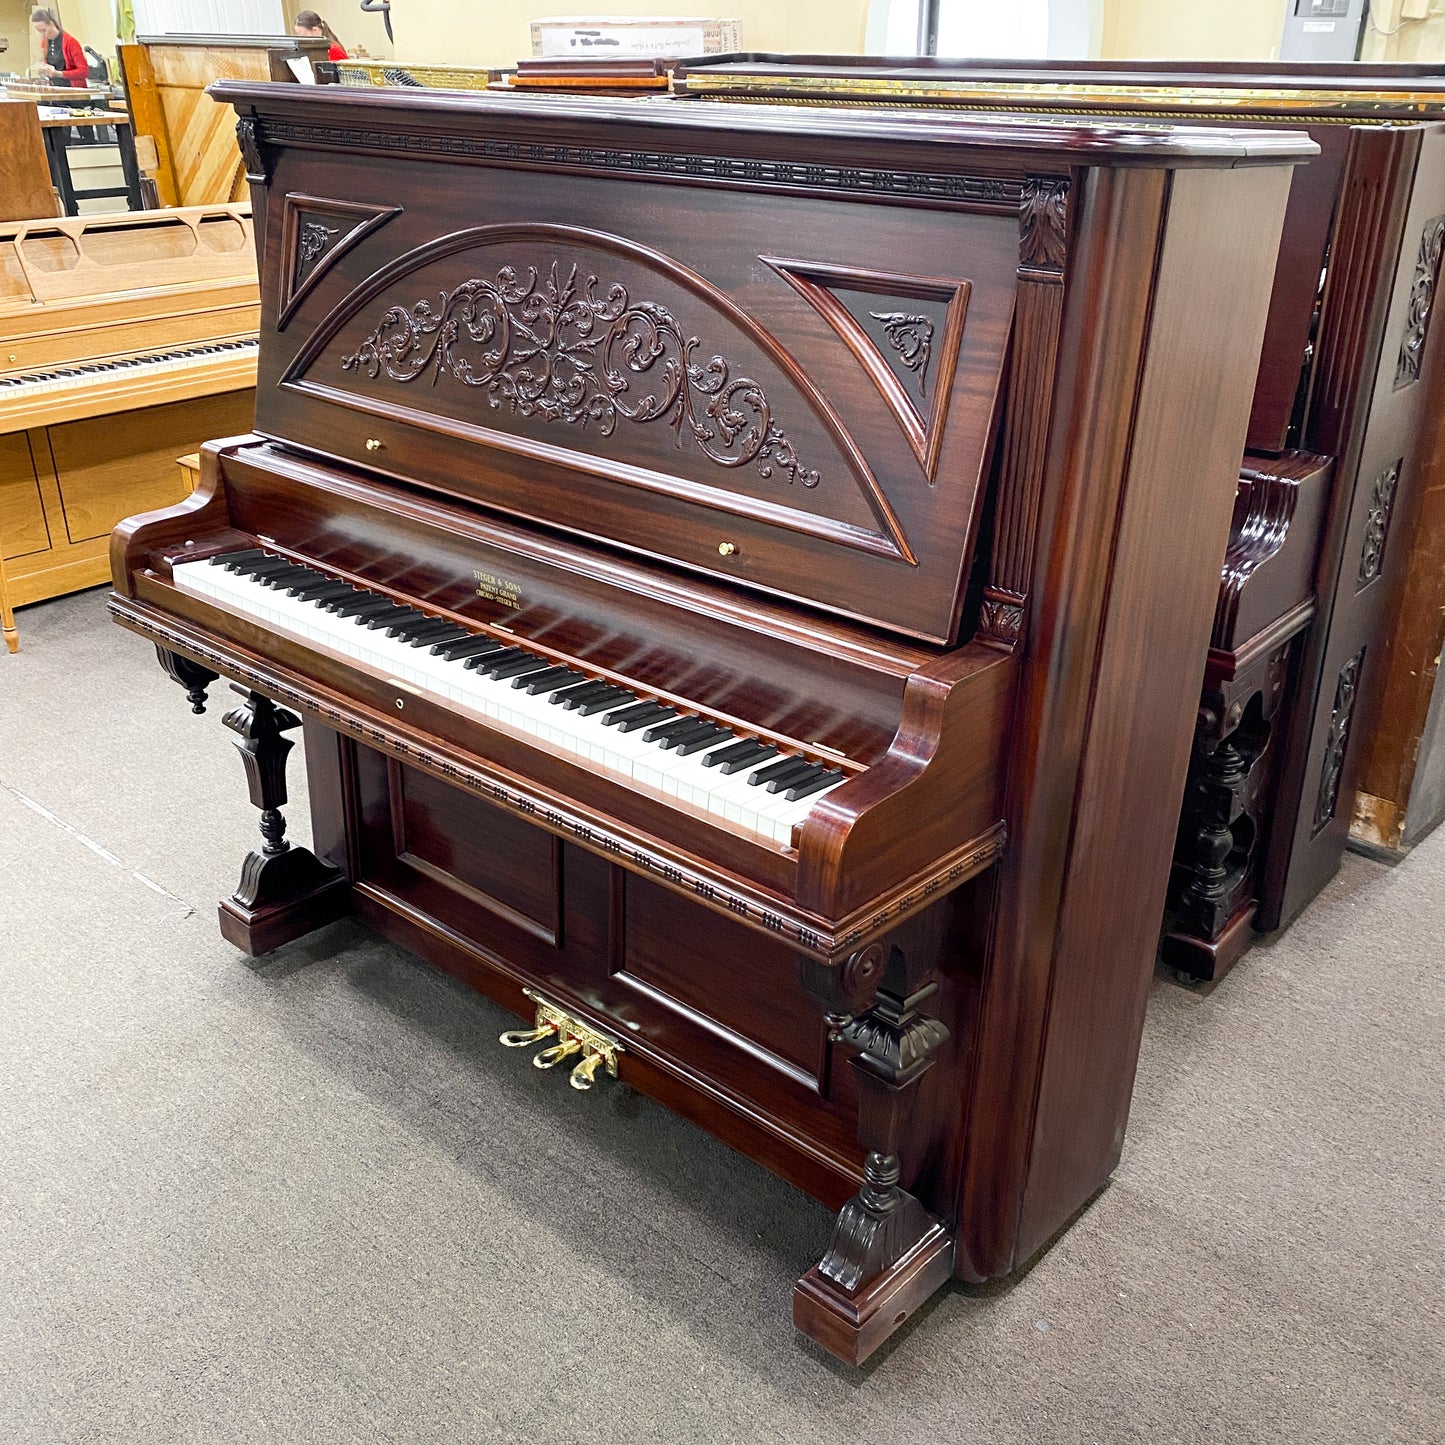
[840,449]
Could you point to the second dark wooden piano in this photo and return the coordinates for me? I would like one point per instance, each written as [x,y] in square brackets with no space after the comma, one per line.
[731,572]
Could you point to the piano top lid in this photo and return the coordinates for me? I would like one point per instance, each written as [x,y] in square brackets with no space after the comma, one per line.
[1377,92]
[1063,140]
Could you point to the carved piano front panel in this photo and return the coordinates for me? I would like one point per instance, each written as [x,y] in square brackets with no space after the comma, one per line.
[805,403]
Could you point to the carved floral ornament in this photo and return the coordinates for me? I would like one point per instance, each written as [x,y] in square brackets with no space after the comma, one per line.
[559,347]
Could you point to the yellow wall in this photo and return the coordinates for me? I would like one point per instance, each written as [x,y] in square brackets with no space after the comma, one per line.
[1418,40]
[1192,30]
[471,33]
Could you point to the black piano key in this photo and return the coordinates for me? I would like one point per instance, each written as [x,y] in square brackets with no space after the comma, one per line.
[629,719]
[796,778]
[482,663]
[392,612]
[602,701]
[422,631]
[487,665]
[539,682]
[788,764]
[309,591]
[741,765]
[270,573]
[234,561]
[520,665]
[407,618]
[474,646]
[702,727]
[547,680]
[331,592]
[825,779]
[696,742]
[266,565]
[338,600]
[450,632]
[575,696]
[664,730]
[365,606]
[743,752]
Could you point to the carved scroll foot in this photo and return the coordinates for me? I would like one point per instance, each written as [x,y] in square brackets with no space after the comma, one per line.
[852,1326]
[190,675]
[285,891]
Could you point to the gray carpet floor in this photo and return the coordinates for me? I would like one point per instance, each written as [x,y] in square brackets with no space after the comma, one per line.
[309,1199]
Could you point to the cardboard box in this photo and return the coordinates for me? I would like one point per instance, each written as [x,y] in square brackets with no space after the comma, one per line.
[598,37]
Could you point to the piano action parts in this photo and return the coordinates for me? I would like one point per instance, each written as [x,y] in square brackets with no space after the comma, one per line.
[732,572]
[124,342]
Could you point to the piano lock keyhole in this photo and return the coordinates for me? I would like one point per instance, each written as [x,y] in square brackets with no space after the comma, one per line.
[727,549]
[374,445]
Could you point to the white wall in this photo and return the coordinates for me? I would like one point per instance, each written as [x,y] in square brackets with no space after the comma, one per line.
[210,17]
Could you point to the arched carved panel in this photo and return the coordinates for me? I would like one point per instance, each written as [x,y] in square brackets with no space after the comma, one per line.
[583,349]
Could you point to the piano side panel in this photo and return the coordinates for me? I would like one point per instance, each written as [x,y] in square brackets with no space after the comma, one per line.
[846,465]
[1207,319]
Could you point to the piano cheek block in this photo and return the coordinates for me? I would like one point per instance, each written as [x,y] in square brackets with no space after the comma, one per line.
[972,891]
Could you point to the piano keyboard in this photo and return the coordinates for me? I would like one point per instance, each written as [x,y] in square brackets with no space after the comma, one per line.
[129,368]
[745,782]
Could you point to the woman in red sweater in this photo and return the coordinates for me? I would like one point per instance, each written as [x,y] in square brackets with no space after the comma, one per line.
[308,22]
[65,61]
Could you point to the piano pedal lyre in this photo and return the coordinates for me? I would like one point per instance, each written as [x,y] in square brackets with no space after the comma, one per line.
[573,1038]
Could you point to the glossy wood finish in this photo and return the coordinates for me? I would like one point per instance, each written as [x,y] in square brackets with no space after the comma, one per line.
[1356,707]
[925,1010]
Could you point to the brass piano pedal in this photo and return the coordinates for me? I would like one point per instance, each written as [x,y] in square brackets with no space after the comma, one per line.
[550,1058]
[525,1038]
[573,1037]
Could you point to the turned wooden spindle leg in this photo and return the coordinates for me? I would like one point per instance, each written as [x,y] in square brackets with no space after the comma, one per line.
[7,615]
[190,675]
[887,1253]
[285,890]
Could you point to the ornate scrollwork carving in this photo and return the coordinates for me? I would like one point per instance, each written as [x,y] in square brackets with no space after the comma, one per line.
[311,242]
[1043,222]
[248,137]
[1422,298]
[557,350]
[911,336]
[1347,688]
[1377,523]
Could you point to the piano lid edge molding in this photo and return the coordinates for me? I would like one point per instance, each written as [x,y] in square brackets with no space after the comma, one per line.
[586,238]
[1000,193]
[764,913]
[301,272]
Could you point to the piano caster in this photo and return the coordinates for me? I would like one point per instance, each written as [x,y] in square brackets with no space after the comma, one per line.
[573,1038]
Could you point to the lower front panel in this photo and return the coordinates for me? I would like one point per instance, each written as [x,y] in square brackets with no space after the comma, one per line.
[711,1015]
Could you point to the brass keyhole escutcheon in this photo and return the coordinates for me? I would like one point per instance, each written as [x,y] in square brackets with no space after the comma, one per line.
[373,445]
[727,549]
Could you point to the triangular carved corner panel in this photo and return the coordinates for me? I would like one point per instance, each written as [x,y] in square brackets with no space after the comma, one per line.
[905,331]
[315,234]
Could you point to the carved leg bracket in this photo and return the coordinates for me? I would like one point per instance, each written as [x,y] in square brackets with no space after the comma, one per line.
[888,1253]
[285,891]
[190,675]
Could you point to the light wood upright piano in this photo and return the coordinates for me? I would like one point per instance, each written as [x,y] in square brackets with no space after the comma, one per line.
[125,340]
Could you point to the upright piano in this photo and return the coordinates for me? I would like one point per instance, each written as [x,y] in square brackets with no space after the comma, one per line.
[125,340]
[1329,618]
[743,579]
